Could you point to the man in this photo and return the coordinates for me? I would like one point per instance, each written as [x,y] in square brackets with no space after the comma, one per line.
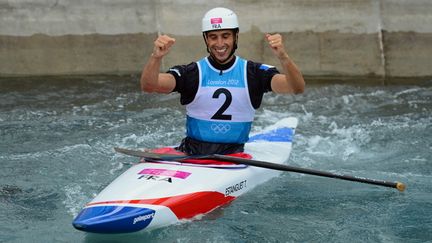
[222,91]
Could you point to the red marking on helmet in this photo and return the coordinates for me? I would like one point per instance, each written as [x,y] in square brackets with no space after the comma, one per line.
[216,20]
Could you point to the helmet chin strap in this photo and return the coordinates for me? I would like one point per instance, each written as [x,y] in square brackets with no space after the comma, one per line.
[231,53]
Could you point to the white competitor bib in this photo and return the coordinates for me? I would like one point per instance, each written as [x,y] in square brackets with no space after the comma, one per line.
[221,111]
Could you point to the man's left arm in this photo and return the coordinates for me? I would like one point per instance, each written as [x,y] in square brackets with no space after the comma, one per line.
[291,81]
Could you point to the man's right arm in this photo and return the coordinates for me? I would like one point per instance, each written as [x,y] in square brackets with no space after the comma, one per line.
[151,80]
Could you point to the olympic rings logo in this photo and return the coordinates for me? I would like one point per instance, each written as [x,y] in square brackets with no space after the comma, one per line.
[220,128]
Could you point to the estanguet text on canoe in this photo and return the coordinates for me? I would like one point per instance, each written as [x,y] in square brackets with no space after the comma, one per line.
[234,188]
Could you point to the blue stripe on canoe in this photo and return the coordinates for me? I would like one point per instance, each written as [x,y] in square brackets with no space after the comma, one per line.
[284,134]
[113,219]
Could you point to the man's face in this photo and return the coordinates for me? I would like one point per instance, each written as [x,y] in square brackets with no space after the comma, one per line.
[220,43]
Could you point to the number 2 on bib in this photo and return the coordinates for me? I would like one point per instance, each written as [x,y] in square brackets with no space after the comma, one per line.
[228,99]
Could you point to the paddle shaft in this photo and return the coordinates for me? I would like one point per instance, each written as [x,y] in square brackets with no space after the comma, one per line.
[263,164]
[282,167]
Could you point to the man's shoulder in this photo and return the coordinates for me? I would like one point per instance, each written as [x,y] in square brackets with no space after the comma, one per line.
[254,66]
[183,68]
[189,65]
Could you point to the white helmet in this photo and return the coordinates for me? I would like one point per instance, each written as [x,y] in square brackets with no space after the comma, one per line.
[219,19]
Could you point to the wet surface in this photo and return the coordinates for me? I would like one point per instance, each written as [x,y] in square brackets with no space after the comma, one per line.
[56,154]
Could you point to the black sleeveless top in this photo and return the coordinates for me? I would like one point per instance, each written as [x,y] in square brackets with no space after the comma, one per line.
[187,81]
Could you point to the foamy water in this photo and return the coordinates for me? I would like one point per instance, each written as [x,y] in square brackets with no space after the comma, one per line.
[56,154]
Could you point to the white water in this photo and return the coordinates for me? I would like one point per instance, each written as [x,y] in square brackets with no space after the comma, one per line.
[56,154]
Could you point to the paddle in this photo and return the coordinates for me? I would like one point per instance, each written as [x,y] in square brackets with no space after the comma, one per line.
[263,164]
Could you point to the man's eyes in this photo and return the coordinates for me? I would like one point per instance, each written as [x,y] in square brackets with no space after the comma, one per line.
[223,36]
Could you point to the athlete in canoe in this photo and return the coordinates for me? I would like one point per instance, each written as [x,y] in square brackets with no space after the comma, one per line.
[221,91]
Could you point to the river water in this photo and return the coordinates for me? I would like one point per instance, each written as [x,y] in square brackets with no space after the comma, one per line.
[56,154]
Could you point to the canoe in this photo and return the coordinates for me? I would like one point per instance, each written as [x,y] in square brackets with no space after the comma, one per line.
[153,194]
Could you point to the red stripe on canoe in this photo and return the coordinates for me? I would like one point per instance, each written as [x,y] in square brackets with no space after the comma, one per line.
[183,206]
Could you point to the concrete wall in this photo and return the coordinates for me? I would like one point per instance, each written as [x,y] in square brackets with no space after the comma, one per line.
[381,38]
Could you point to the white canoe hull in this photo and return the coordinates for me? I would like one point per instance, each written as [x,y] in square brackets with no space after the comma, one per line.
[154,195]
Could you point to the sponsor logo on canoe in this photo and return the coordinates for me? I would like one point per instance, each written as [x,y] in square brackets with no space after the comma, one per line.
[165,172]
[155,178]
[235,188]
[162,174]
[143,218]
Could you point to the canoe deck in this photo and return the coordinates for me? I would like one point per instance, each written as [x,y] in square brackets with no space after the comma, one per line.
[153,195]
